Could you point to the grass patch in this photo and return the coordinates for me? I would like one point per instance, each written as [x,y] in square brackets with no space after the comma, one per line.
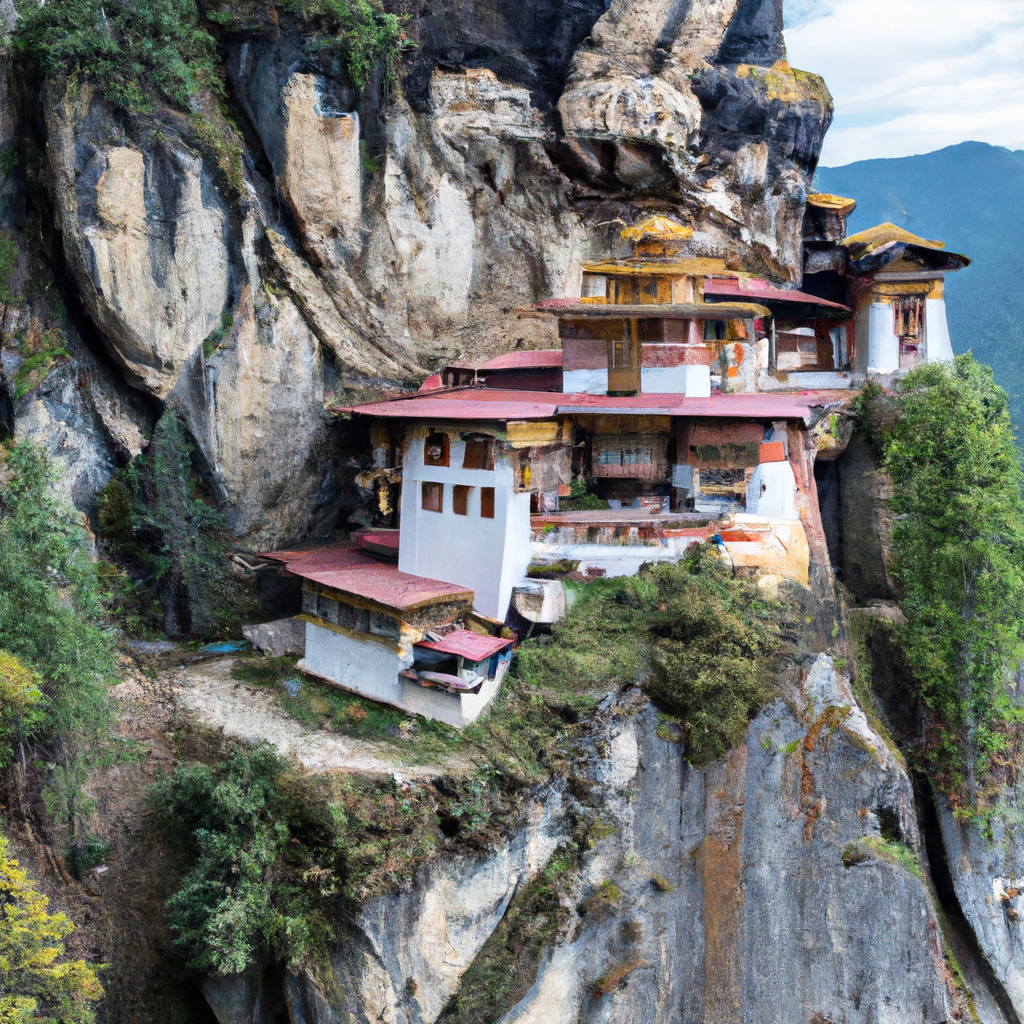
[42,352]
[878,848]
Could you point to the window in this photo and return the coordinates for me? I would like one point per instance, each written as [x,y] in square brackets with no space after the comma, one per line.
[595,286]
[487,502]
[479,453]
[460,499]
[909,312]
[435,450]
[433,497]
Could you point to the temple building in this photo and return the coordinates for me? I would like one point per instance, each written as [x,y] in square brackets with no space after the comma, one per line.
[688,403]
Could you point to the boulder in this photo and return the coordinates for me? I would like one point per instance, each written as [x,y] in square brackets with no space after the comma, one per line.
[283,636]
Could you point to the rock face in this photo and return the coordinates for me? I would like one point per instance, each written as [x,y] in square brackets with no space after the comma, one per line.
[756,861]
[988,877]
[759,888]
[366,239]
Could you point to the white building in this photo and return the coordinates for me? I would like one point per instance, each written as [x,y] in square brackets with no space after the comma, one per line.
[463,518]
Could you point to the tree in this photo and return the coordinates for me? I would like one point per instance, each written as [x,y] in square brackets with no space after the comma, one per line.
[958,551]
[20,699]
[36,982]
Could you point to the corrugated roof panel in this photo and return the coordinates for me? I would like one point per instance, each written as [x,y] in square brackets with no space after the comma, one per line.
[465,644]
[340,567]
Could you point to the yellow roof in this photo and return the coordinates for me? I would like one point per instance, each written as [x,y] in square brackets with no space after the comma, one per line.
[883,234]
[825,201]
[657,226]
[698,266]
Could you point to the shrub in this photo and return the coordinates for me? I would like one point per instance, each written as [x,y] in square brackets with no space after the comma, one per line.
[20,699]
[51,616]
[128,48]
[272,853]
[152,515]
[702,642]
[958,551]
[360,30]
[36,982]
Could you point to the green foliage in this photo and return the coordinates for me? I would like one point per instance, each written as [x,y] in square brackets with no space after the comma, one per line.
[273,854]
[151,514]
[86,853]
[21,700]
[51,614]
[218,137]
[216,338]
[360,30]
[128,48]
[581,498]
[702,643]
[37,982]
[8,261]
[41,353]
[958,553]
[878,848]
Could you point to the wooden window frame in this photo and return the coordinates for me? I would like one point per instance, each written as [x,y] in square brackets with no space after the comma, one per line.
[482,457]
[486,502]
[460,499]
[428,488]
[437,438]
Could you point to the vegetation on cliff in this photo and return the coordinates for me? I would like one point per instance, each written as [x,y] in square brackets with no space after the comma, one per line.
[958,551]
[154,519]
[700,640]
[51,621]
[128,48]
[136,50]
[37,982]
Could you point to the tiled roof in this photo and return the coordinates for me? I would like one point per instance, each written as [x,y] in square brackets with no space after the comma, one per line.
[494,405]
[761,291]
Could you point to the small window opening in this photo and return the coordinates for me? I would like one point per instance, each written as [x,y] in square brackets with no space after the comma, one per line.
[487,502]
[714,330]
[435,450]
[433,497]
[460,499]
[595,286]
[479,454]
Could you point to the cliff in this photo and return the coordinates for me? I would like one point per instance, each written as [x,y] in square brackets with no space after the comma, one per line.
[301,234]
[336,242]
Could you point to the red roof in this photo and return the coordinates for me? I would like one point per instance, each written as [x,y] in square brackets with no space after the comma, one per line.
[761,290]
[432,383]
[340,567]
[528,360]
[464,644]
[494,405]
[377,542]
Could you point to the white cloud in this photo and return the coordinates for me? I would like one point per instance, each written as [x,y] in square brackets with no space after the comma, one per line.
[912,76]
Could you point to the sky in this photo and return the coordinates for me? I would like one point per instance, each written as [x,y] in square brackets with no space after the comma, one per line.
[913,76]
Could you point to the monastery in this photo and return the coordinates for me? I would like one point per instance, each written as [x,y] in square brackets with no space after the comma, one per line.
[688,404]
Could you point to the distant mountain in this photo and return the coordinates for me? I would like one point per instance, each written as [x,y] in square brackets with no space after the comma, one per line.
[972,197]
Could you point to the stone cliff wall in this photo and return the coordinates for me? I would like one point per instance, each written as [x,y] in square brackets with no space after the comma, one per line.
[365,239]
